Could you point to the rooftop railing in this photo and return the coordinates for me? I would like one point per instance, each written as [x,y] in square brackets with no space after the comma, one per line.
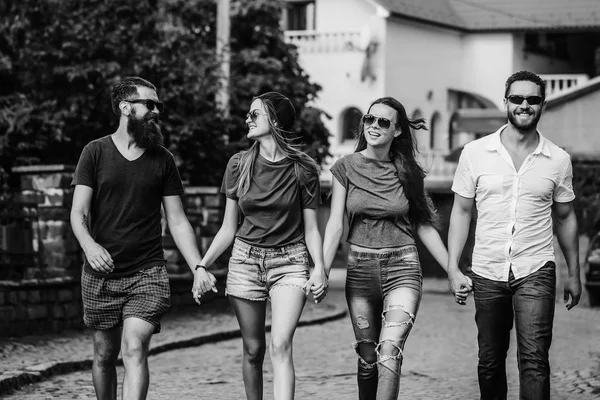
[324,42]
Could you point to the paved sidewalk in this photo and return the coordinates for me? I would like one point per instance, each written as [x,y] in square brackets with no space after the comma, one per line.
[35,358]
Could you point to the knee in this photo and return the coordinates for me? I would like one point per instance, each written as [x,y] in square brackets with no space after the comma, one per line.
[254,351]
[105,355]
[280,347]
[134,350]
[389,350]
[366,351]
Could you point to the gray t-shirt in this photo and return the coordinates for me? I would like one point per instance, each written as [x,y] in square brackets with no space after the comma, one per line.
[272,207]
[376,205]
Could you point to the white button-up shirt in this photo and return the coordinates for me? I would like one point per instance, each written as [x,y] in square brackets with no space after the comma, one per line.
[514,214]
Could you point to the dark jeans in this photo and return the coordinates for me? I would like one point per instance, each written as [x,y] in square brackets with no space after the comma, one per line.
[530,302]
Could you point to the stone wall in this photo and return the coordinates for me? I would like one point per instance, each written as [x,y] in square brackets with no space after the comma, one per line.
[40,306]
[586,184]
[33,299]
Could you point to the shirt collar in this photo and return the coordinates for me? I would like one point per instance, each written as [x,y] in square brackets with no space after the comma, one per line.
[495,143]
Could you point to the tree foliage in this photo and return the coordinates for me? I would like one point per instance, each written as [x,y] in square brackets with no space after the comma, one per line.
[59,59]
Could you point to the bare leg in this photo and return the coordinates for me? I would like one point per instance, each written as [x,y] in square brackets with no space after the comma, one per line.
[287,303]
[135,343]
[251,318]
[104,372]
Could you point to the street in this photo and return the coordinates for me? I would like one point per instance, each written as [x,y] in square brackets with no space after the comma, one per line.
[440,360]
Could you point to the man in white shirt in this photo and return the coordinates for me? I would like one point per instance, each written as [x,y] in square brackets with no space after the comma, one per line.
[520,183]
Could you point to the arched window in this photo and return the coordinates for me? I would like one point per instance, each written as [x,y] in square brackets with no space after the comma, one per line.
[421,136]
[436,133]
[350,120]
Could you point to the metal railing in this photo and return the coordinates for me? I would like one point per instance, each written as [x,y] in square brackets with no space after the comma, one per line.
[556,83]
[324,42]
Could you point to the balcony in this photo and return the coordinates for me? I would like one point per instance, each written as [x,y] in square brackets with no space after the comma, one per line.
[557,83]
[324,42]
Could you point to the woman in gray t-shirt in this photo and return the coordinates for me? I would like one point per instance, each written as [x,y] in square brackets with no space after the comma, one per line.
[273,188]
[380,189]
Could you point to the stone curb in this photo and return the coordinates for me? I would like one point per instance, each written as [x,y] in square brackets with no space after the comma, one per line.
[40,372]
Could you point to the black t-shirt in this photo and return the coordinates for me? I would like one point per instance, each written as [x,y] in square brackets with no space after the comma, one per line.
[272,207]
[125,208]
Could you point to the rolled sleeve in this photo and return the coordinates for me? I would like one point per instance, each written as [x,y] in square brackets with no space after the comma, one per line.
[463,183]
[563,193]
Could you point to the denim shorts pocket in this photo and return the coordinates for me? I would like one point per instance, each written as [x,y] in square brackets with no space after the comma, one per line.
[238,256]
[298,258]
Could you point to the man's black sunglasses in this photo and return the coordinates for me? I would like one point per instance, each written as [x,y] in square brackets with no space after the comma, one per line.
[531,100]
[150,104]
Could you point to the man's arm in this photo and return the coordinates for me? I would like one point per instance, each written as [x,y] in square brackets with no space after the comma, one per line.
[185,240]
[568,239]
[460,221]
[96,255]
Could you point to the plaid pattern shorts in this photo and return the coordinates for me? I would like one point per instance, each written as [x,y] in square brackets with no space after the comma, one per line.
[108,302]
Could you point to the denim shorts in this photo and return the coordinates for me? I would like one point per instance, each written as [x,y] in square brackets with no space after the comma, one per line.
[255,271]
[374,275]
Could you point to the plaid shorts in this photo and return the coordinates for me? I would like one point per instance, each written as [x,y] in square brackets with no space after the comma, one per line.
[108,302]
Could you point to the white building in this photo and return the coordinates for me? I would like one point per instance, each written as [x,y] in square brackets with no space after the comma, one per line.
[447,61]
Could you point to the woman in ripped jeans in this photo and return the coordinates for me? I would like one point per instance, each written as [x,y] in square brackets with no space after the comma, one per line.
[380,188]
[274,188]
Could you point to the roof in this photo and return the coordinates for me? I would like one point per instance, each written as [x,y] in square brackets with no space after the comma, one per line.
[494,15]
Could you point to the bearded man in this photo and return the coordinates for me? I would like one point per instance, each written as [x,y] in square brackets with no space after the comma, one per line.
[521,183]
[120,182]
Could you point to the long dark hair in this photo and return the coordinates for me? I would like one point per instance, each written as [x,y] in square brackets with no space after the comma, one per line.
[402,153]
[281,116]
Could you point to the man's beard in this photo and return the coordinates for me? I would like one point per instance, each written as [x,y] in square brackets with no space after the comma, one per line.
[145,131]
[524,127]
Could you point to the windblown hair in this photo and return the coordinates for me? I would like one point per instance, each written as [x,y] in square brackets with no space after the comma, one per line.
[525,76]
[126,89]
[410,173]
[281,116]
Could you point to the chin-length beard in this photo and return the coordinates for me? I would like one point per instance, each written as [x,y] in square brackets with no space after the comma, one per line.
[145,131]
[524,127]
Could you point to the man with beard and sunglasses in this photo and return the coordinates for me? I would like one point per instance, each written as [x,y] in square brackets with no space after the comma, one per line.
[120,182]
[522,186]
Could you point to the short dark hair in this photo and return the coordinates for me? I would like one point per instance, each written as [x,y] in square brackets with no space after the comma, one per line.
[525,76]
[126,88]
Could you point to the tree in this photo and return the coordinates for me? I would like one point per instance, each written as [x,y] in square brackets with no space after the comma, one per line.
[58,60]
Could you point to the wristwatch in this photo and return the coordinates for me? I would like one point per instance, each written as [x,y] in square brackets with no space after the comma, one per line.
[200,266]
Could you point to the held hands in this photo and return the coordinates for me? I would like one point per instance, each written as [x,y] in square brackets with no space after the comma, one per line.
[98,258]
[572,289]
[204,282]
[460,285]
[318,284]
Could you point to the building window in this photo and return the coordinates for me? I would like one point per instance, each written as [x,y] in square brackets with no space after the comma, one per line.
[436,134]
[299,15]
[548,44]
[350,120]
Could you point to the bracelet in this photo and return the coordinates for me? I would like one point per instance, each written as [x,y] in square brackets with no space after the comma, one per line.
[200,266]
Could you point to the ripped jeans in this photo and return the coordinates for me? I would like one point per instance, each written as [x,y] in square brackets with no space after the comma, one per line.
[383,291]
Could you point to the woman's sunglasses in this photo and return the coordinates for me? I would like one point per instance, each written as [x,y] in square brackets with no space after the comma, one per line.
[383,123]
[150,104]
[531,100]
[253,115]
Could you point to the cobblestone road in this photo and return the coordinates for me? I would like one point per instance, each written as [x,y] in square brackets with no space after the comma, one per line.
[440,361]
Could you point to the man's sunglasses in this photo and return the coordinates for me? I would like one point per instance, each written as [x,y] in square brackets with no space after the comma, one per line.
[253,115]
[531,100]
[150,104]
[383,123]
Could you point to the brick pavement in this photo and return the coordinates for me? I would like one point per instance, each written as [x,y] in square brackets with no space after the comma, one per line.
[35,358]
[440,359]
